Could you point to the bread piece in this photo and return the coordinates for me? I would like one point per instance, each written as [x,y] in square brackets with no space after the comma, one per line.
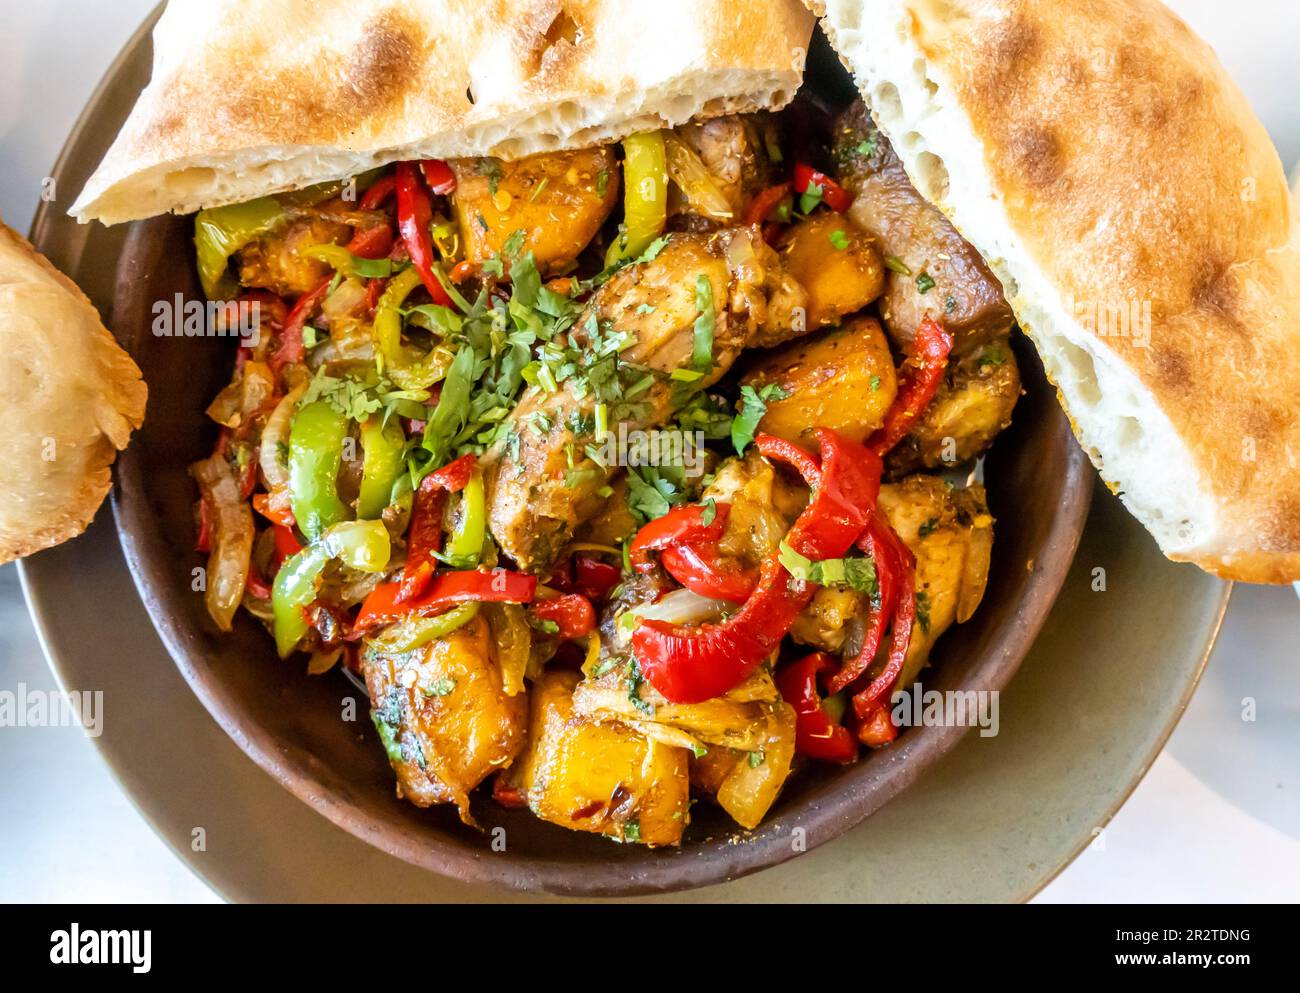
[69,399]
[1115,179]
[255,98]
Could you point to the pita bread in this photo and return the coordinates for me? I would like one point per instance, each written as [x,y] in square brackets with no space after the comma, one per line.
[249,99]
[1115,179]
[70,395]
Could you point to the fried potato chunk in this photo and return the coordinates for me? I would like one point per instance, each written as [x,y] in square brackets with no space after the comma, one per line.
[558,199]
[603,778]
[843,379]
[836,263]
[443,716]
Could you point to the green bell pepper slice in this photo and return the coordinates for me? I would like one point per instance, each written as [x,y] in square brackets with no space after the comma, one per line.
[220,232]
[402,364]
[384,449]
[465,543]
[415,632]
[315,456]
[645,196]
[360,545]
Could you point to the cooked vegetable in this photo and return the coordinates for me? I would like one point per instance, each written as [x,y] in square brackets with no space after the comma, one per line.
[442,716]
[445,590]
[605,778]
[231,539]
[835,263]
[972,407]
[817,735]
[220,232]
[557,200]
[383,450]
[414,217]
[403,364]
[842,379]
[315,455]
[922,376]
[360,545]
[693,179]
[645,185]
[424,538]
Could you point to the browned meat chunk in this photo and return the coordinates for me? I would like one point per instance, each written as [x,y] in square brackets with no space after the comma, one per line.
[933,269]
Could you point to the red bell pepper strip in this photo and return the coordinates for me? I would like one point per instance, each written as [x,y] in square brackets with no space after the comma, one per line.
[921,381]
[779,450]
[372,243]
[834,195]
[703,571]
[766,202]
[843,499]
[683,525]
[593,578]
[203,543]
[865,702]
[511,797]
[439,176]
[378,194]
[287,544]
[691,665]
[815,735]
[414,215]
[291,345]
[425,534]
[880,544]
[572,614]
[447,590]
[256,583]
[878,729]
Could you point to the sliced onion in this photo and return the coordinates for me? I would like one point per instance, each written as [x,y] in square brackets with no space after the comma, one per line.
[681,607]
[692,176]
[276,434]
[348,300]
[232,538]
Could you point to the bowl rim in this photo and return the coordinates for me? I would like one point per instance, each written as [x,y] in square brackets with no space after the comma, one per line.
[673,871]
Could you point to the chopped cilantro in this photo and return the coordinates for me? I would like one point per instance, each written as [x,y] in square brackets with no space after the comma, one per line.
[923,611]
[705,323]
[753,406]
[440,687]
[856,573]
[924,283]
[840,239]
[894,264]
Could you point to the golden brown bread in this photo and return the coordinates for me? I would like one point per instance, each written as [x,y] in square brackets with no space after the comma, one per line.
[254,98]
[69,397]
[1118,184]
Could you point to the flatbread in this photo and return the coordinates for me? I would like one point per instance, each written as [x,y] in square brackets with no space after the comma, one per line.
[1116,181]
[249,99]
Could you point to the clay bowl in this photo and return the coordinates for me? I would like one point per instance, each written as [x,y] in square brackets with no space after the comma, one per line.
[1039,484]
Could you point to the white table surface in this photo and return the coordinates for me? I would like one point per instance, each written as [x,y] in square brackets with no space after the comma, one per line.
[1216,819]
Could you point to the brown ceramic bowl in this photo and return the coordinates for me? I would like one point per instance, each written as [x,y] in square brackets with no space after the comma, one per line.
[1039,484]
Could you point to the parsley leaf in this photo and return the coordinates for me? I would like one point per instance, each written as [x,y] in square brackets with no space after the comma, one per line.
[856,573]
[705,324]
[753,406]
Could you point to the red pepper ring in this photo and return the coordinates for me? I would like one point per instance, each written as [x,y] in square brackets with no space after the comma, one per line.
[889,566]
[680,526]
[372,243]
[291,349]
[865,702]
[765,203]
[920,383]
[703,571]
[414,216]
[424,536]
[845,487]
[834,195]
[439,176]
[816,735]
[447,590]
[691,665]
[573,614]
[378,194]
[803,462]
[593,578]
